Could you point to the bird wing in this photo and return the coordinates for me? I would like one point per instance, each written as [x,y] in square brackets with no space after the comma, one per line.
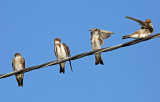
[23,62]
[55,51]
[13,66]
[68,53]
[137,20]
[104,35]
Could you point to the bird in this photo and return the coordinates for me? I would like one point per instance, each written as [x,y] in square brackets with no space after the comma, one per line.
[61,51]
[18,63]
[145,31]
[97,38]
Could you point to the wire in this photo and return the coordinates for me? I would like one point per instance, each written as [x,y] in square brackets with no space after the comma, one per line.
[79,56]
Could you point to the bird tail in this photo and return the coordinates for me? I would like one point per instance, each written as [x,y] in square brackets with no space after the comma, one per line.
[19,78]
[70,65]
[126,36]
[62,65]
[98,59]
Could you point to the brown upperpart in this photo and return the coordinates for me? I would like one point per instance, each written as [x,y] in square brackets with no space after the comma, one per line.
[57,39]
[17,54]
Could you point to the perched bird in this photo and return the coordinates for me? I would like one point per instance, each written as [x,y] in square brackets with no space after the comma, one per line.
[97,38]
[144,31]
[18,63]
[61,51]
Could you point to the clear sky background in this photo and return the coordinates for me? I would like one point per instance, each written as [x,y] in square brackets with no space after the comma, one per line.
[130,74]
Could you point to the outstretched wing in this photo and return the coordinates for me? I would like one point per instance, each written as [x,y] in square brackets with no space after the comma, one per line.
[104,35]
[68,53]
[139,21]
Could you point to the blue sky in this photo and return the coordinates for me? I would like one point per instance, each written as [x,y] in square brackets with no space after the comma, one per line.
[129,74]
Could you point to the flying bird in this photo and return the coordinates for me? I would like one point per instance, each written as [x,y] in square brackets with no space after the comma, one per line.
[145,31]
[61,51]
[18,63]
[97,38]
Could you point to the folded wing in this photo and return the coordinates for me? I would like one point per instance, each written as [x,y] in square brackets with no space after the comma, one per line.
[68,53]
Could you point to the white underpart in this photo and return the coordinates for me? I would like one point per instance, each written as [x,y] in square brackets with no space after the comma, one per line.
[96,44]
[151,25]
[57,42]
[61,54]
[135,36]
[142,34]
[18,64]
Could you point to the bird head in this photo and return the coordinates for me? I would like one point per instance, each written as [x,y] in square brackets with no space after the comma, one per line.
[17,54]
[57,40]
